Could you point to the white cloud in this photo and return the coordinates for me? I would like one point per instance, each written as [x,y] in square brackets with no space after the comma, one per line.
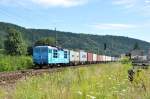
[63,3]
[106,26]
[131,3]
[125,3]
[140,7]
[45,3]
[147,1]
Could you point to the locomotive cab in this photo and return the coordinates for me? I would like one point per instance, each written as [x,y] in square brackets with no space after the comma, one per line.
[40,55]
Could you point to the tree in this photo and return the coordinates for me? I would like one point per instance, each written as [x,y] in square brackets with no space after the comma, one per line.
[1,43]
[105,46]
[14,44]
[30,50]
[45,41]
[136,46]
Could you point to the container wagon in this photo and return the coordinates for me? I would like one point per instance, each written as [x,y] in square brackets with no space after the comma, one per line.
[104,58]
[74,57]
[83,57]
[108,58]
[98,58]
[94,58]
[89,58]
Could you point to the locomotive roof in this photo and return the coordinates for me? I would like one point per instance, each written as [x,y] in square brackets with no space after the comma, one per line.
[50,47]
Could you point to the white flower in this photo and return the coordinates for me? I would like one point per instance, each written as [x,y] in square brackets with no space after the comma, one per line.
[114,87]
[92,97]
[79,92]
[124,90]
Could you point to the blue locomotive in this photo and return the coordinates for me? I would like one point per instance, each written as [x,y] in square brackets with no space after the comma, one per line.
[50,55]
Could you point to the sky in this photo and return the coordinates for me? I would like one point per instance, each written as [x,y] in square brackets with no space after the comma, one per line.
[130,18]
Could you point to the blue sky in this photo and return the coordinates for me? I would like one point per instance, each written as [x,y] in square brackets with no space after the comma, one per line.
[129,18]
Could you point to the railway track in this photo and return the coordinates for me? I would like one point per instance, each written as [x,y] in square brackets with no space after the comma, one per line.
[12,77]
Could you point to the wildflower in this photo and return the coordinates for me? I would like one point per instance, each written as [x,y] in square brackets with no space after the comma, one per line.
[114,87]
[109,78]
[92,97]
[124,90]
[79,92]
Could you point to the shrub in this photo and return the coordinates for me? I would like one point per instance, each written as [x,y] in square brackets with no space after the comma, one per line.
[11,63]
[125,60]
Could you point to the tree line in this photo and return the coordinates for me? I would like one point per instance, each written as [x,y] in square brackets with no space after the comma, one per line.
[15,44]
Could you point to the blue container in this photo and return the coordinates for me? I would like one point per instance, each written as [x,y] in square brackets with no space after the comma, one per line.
[50,55]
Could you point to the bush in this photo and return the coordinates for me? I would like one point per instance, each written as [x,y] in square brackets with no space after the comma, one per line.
[12,63]
[125,60]
[1,51]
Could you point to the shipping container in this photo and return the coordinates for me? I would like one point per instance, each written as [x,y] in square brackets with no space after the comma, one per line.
[103,58]
[98,58]
[83,56]
[74,57]
[89,57]
[94,57]
[112,59]
[108,58]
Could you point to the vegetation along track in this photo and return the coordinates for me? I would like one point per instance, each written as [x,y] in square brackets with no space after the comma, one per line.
[12,77]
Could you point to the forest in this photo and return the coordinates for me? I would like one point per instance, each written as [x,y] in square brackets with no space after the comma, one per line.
[101,44]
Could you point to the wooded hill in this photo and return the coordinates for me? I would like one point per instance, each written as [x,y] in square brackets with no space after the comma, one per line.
[115,45]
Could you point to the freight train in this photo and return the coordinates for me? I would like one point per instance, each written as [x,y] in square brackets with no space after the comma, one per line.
[54,56]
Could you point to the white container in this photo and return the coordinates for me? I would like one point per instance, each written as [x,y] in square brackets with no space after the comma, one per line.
[94,57]
[74,56]
[103,58]
[83,56]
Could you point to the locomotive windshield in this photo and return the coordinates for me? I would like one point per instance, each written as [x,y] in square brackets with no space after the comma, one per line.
[36,50]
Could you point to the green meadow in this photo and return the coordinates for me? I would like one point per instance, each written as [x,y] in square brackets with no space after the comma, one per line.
[100,81]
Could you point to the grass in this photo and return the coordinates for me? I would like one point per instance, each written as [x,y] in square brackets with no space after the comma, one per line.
[103,81]
[12,63]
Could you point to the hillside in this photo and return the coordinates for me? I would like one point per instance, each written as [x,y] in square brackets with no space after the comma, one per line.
[115,44]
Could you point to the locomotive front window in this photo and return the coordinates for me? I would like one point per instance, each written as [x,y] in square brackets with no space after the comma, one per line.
[65,54]
[36,50]
[43,50]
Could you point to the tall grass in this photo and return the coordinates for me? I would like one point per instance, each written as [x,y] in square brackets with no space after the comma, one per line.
[95,82]
[11,63]
[2,94]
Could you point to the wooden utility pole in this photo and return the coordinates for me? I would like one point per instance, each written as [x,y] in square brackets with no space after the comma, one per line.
[55,37]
